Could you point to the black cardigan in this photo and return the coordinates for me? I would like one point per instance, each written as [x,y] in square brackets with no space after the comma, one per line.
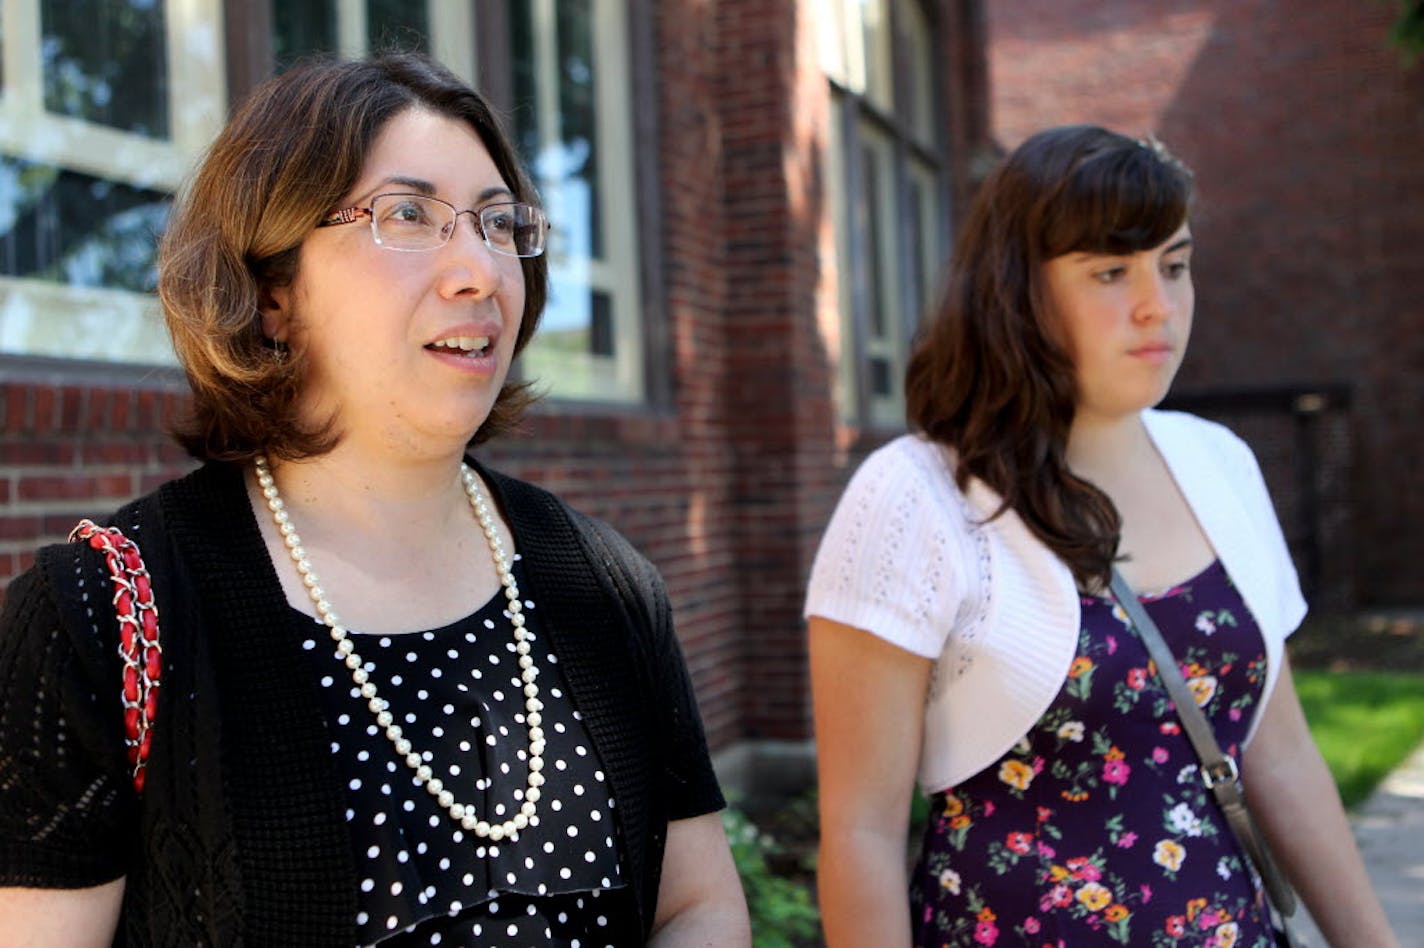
[240,837]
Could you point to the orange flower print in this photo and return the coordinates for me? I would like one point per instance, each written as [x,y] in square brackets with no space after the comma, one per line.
[1116,912]
[1081,665]
[1176,926]
[959,822]
[986,914]
[1016,774]
[1169,854]
[1095,896]
[953,806]
[1193,907]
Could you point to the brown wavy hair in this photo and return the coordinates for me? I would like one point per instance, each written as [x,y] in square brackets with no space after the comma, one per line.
[293,149]
[988,374]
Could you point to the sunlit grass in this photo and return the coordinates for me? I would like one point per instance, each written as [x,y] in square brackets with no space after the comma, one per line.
[1365,723]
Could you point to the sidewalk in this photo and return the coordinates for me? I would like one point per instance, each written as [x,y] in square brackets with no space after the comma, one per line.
[1390,829]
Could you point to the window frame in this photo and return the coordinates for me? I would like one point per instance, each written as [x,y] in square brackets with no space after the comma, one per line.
[858,119]
[40,318]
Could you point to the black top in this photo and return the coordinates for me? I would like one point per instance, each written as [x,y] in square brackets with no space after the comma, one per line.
[239,837]
[457,695]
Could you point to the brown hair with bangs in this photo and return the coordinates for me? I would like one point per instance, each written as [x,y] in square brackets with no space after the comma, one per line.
[289,154]
[988,375]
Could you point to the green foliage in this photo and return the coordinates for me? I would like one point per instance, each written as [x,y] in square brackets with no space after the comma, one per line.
[1365,723]
[783,913]
[1408,30]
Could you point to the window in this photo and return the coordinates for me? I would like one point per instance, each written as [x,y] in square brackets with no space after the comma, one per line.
[104,104]
[886,192]
[354,28]
[573,121]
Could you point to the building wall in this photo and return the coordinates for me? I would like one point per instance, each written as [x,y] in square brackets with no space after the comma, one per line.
[1305,130]
[726,478]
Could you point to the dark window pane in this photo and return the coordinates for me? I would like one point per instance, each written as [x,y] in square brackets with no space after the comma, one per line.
[302,27]
[880,377]
[577,116]
[70,228]
[568,166]
[875,254]
[106,61]
[914,230]
[396,25]
[600,330]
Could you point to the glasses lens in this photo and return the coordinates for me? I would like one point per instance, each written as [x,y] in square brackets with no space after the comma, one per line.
[514,229]
[411,221]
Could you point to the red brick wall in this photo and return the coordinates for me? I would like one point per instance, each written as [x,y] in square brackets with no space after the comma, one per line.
[1306,133]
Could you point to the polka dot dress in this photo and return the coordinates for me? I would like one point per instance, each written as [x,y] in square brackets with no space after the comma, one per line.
[456,694]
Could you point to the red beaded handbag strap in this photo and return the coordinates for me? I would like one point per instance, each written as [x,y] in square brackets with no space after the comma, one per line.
[138,637]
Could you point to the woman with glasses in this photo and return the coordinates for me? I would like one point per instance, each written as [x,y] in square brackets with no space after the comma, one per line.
[962,632]
[402,698]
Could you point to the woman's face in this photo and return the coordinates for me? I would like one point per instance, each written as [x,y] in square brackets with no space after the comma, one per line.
[408,350]
[1125,320]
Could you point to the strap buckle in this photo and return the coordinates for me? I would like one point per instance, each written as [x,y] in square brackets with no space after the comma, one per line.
[1225,771]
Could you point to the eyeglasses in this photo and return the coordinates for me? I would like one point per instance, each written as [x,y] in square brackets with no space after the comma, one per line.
[413,222]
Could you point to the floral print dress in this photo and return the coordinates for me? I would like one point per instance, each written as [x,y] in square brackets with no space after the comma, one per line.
[1096,828]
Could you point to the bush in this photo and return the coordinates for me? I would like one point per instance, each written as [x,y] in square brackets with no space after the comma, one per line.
[783,913]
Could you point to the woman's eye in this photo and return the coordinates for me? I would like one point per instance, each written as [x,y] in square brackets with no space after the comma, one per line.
[499,222]
[407,212]
[1110,275]
[1177,269]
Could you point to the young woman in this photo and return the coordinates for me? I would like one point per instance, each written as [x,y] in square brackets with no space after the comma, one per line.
[403,699]
[961,631]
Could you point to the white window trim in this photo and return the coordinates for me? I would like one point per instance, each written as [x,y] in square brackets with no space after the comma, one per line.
[38,317]
[582,375]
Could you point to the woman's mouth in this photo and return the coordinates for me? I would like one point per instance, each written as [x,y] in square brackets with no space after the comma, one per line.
[473,346]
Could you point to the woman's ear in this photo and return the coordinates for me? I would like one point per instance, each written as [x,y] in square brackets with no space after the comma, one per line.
[274,306]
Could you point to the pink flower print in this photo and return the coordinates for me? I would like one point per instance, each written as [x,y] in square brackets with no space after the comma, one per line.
[986,933]
[1234,714]
[1146,892]
[1112,645]
[1045,850]
[1170,727]
[989,808]
[1031,925]
[1159,755]
[1060,895]
[1126,840]
[1116,771]
[1137,679]
[1084,870]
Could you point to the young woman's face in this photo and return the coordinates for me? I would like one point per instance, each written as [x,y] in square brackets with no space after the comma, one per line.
[407,349]
[1125,320]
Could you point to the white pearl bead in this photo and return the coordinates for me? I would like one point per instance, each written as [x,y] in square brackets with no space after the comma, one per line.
[346,652]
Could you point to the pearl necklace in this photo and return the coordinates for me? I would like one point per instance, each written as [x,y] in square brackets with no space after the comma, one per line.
[464,814]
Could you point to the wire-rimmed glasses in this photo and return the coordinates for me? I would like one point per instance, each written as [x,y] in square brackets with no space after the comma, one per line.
[414,222]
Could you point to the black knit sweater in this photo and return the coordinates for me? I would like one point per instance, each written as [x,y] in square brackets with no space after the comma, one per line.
[240,837]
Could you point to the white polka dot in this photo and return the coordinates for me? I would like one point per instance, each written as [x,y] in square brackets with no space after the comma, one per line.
[436,673]
[368,885]
[452,653]
[588,856]
[513,929]
[373,852]
[578,789]
[423,695]
[411,657]
[565,872]
[343,719]
[601,920]
[403,856]
[560,765]
[362,918]
[510,876]
[468,878]
[309,644]
[573,831]
[444,864]
[396,888]
[327,681]
[581,751]
[397,680]
[556,805]
[363,755]
[379,819]
[355,784]
[408,806]
[392,922]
